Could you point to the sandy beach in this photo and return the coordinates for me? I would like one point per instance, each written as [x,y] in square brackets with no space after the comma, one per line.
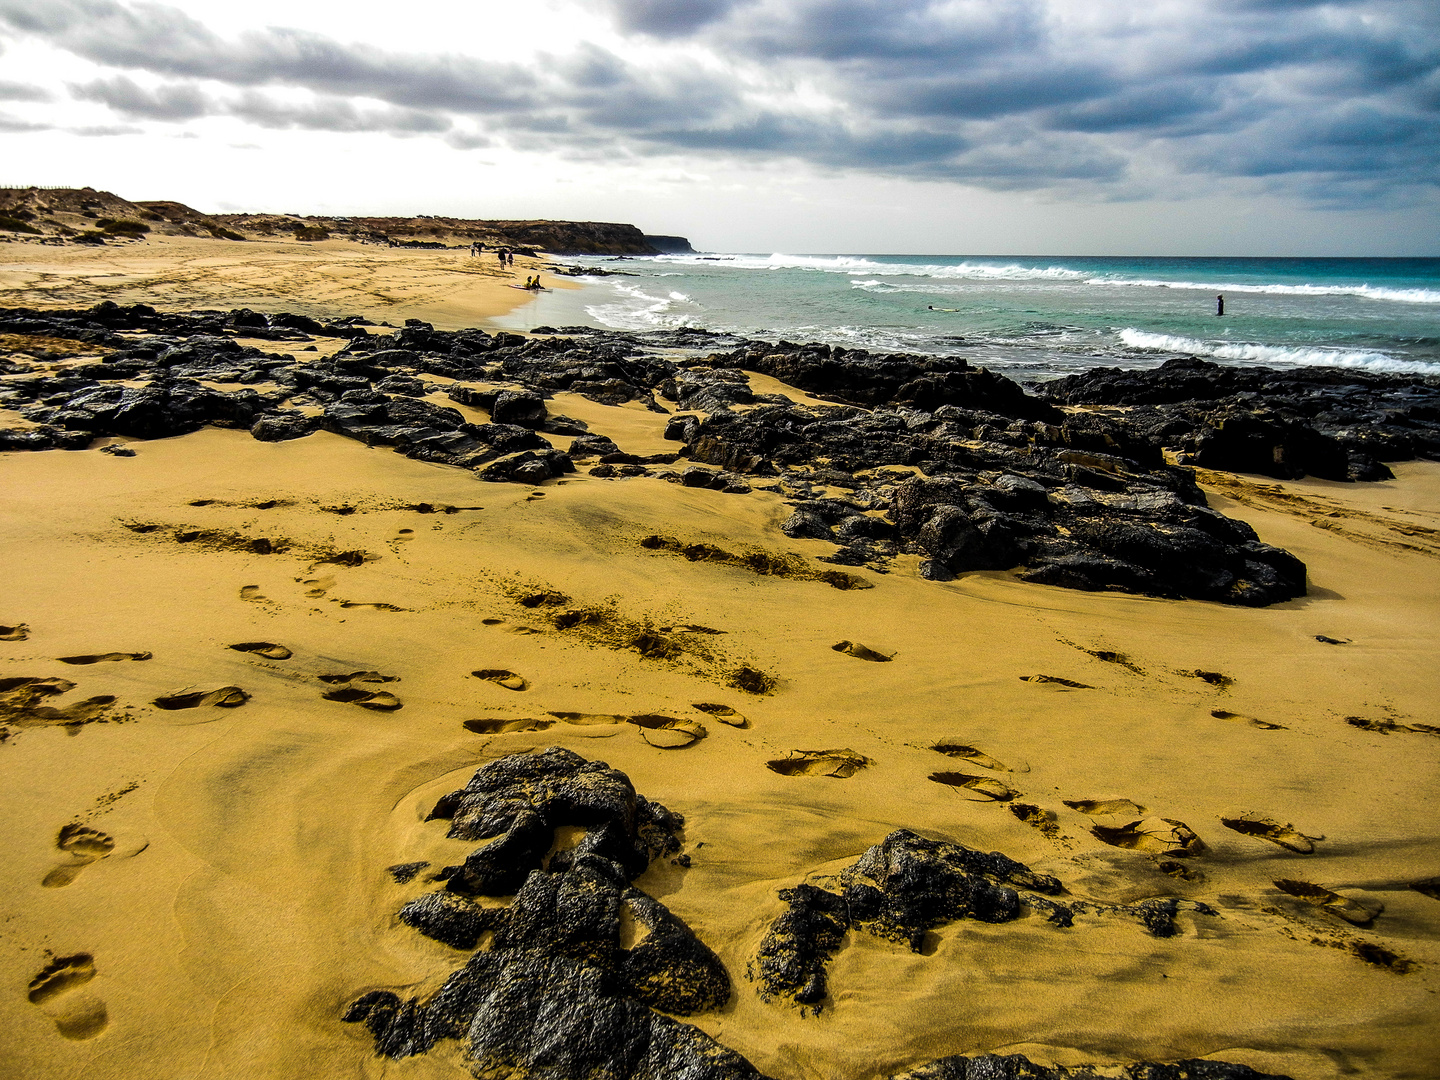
[198,889]
[326,278]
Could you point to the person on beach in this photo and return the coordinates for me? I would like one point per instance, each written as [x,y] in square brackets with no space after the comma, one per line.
[1220,305]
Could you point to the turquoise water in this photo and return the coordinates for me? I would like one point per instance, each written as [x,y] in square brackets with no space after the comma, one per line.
[1033,317]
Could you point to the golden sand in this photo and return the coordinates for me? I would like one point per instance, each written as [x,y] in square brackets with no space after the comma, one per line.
[198,892]
[323,279]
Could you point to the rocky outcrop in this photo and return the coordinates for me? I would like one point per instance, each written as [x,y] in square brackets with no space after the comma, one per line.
[553,992]
[549,990]
[1087,485]
[906,886]
[1337,424]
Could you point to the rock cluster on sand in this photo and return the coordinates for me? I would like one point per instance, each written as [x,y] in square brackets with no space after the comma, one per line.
[931,457]
[552,993]
[555,993]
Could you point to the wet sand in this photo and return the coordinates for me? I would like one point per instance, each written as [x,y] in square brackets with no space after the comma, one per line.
[200,891]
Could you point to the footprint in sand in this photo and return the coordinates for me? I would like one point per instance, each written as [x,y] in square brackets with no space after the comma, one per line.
[1037,817]
[1155,835]
[193,697]
[18,632]
[666,732]
[354,689]
[1241,718]
[317,587]
[1214,678]
[584,719]
[976,788]
[375,605]
[1427,887]
[267,649]
[1361,913]
[499,725]
[85,845]
[975,757]
[100,658]
[78,1014]
[501,677]
[20,699]
[861,652]
[1106,807]
[253,594]
[841,764]
[1109,656]
[1057,682]
[1389,727]
[1284,835]
[724,713]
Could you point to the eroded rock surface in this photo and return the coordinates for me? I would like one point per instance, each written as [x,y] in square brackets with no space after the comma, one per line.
[904,887]
[552,991]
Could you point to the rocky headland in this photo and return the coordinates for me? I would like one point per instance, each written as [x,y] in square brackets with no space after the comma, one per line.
[87,216]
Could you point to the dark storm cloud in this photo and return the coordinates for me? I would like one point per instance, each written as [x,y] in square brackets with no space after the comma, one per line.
[167,41]
[1335,96]
[670,18]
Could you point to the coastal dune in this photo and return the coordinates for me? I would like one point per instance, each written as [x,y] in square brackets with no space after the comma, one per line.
[230,896]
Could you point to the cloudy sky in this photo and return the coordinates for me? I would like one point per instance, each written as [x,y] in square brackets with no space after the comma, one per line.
[1201,127]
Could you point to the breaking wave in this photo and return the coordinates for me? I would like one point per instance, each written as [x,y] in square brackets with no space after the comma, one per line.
[632,308]
[1274,355]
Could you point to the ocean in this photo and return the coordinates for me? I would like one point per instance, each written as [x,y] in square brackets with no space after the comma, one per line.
[1031,317]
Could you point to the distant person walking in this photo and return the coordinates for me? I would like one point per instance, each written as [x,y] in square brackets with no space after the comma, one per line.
[1219,305]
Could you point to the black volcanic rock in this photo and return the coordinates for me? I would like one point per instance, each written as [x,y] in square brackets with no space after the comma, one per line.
[1334,423]
[555,993]
[863,378]
[954,464]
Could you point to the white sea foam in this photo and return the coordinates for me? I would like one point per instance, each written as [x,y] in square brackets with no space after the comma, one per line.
[1369,292]
[632,308]
[1285,356]
[856,265]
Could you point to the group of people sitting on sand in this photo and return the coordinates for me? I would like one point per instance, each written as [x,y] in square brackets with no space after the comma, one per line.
[533,282]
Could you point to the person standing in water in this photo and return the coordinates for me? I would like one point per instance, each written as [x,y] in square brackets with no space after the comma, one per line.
[1220,305]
